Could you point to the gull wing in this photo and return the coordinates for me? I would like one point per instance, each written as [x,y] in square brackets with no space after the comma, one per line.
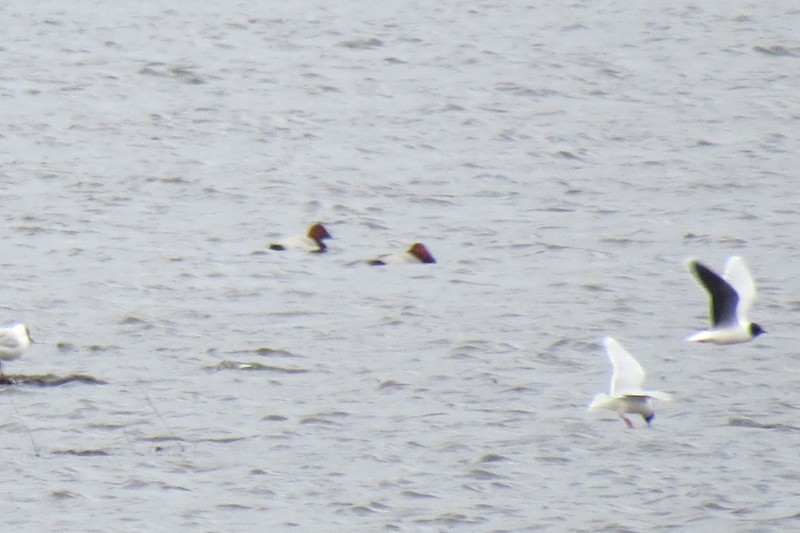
[723,297]
[658,395]
[739,277]
[628,374]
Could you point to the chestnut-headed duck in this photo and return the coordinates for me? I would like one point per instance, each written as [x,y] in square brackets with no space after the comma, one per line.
[417,253]
[310,242]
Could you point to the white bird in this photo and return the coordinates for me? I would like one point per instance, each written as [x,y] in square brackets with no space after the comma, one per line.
[310,242]
[730,297]
[13,341]
[626,394]
[416,253]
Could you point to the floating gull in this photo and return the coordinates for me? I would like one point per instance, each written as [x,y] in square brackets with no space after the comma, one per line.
[14,340]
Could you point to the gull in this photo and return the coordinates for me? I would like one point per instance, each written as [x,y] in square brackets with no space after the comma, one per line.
[14,340]
[626,394]
[730,296]
[310,242]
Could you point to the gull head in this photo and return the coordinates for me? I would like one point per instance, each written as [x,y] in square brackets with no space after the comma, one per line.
[756,330]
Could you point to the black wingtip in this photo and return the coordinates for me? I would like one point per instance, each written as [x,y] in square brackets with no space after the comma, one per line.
[277,247]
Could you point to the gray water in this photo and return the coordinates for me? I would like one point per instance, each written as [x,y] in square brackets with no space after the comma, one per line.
[561,161]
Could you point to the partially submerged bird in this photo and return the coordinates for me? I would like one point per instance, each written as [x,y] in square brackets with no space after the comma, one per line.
[310,242]
[730,297]
[626,394]
[14,340]
[417,253]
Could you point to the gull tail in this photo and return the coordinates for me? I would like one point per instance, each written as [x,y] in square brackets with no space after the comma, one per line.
[600,401]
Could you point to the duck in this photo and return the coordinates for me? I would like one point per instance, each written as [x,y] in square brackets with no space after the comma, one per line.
[416,253]
[312,241]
